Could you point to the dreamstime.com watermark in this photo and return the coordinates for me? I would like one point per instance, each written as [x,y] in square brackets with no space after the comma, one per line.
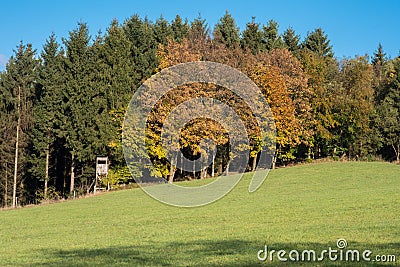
[338,253]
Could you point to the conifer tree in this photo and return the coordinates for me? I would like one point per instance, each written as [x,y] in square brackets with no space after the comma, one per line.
[318,42]
[143,45]
[270,37]
[18,85]
[76,98]
[162,31]
[291,40]
[179,28]
[226,31]
[252,37]
[388,110]
[378,61]
[47,112]
[199,29]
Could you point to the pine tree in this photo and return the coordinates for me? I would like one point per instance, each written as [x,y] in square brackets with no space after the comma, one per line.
[252,37]
[379,56]
[7,123]
[118,75]
[179,28]
[199,29]
[162,31]
[226,31]
[47,112]
[388,108]
[18,85]
[291,40]
[143,45]
[378,61]
[76,98]
[318,42]
[270,37]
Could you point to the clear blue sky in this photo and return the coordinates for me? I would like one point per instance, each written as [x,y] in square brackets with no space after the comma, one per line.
[354,27]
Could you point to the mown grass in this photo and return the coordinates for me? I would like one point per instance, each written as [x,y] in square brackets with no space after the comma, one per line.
[302,207]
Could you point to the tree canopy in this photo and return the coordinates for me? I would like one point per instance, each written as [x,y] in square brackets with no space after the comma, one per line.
[62,107]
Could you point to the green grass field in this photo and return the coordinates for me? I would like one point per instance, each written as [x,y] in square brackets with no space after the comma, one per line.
[302,207]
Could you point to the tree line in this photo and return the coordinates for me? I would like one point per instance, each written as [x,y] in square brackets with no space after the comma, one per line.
[62,107]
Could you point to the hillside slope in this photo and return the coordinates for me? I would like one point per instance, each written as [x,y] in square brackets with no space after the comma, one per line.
[302,207]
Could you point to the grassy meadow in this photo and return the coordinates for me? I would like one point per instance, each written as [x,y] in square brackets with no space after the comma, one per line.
[302,207]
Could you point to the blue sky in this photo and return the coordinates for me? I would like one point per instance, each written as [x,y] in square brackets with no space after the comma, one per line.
[354,27]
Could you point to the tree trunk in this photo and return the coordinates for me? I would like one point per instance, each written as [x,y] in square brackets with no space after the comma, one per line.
[212,167]
[181,169]
[6,188]
[171,172]
[194,169]
[72,184]
[14,199]
[275,158]
[46,178]
[227,167]
[274,162]
[397,152]
[254,163]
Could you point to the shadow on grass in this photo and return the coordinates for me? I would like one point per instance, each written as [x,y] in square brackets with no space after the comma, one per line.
[202,253]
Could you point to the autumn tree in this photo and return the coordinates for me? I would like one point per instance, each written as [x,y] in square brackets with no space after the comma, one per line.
[323,87]
[355,107]
[296,82]
[274,87]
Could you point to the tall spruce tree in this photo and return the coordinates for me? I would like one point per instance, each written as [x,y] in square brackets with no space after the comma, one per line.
[7,123]
[291,40]
[317,41]
[120,77]
[18,85]
[199,29]
[252,37]
[179,28]
[226,31]
[270,36]
[143,45]
[389,110]
[162,31]
[379,56]
[76,99]
[47,112]
[378,61]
